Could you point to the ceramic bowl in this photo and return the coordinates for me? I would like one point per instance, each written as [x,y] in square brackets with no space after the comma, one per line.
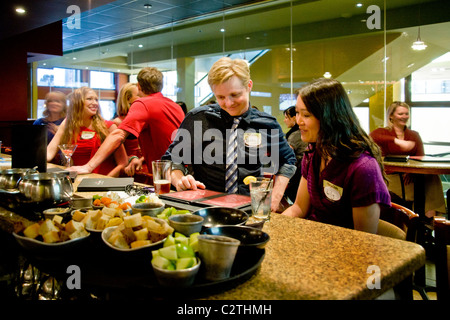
[218,216]
[186,224]
[50,213]
[248,236]
[147,208]
[176,278]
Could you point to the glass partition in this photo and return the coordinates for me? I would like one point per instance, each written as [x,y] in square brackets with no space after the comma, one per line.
[366,46]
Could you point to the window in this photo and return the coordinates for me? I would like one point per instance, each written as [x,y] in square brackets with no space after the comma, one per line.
[107,109]
[432,82]
[59,77]
[102,80]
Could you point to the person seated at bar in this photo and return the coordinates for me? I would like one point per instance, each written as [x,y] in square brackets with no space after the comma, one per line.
[201,154]
[55,110]
[398,139]
[294,138]
[343,181]
[127,95]
[152,118]
[85,127]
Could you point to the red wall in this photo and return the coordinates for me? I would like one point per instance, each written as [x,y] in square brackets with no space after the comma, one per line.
[14,80]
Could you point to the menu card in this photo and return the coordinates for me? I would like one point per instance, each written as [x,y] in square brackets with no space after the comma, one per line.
[208,198]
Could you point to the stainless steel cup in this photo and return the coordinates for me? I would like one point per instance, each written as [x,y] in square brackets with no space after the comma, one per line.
[217,254]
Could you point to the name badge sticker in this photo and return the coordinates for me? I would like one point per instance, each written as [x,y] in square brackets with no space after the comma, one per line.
[86,135]
[252,139]
[332,192]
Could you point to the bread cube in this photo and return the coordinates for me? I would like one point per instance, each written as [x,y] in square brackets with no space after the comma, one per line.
[57,219]
[81,233]
[141,234]
[114,222]
[102,222]
[140,243]
[46,227]
[51,237]
[133,221]
[32,231]
[73,226]
[78,216]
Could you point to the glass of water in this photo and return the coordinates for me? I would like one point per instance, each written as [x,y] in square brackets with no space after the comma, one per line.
[261,195]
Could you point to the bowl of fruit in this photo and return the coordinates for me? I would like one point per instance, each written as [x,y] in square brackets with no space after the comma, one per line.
[176,263]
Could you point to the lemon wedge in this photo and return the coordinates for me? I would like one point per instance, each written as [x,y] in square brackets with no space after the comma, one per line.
[249,179]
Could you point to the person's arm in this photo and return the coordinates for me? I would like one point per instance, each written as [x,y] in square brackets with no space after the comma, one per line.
[366,218]
[302,202]
[109,145]
[279,186]
[52,148]
[135,164]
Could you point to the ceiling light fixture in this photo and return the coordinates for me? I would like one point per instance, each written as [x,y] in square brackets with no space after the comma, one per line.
[147,6]
[359,5]
[222,30]
[327,75]
[20,10]
[419,45]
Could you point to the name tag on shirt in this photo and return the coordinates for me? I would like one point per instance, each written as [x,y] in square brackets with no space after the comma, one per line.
[252,139]
[86,135]
[332,192]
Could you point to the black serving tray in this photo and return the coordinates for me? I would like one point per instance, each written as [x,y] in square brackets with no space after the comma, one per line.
[120,277]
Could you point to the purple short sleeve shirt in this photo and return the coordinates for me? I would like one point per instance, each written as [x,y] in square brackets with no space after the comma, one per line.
[342,186]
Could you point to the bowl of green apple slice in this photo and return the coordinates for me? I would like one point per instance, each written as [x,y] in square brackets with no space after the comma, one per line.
[176,263]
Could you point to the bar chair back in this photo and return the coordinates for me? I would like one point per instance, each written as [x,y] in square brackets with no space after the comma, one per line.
[442,240]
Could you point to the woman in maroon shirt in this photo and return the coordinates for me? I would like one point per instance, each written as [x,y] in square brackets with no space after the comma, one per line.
[398,139]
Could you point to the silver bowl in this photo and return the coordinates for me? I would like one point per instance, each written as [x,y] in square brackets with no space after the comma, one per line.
[50,213]
[148,208]
[186,224]
[176,278]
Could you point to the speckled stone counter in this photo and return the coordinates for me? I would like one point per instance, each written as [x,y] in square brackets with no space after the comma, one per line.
[310,260]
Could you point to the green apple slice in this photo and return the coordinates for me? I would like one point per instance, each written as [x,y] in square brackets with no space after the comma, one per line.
[184,251]
[185,263]
[161,262]
[155,253]
[170,241]
[169,252]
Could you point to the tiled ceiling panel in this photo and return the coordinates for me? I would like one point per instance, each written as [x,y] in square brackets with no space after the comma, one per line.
[122,18]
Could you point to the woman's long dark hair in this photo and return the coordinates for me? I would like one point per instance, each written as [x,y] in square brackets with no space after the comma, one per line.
[340,135]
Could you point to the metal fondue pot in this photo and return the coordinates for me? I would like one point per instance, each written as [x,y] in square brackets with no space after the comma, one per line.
[45,188]
[10,177]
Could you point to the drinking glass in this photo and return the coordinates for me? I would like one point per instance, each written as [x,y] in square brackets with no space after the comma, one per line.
[162,169]
[261,196]
[67,151]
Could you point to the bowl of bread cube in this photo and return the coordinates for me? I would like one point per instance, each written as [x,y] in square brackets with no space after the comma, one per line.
[137,233]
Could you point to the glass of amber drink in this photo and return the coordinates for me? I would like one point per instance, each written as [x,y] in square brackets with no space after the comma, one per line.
[162,170]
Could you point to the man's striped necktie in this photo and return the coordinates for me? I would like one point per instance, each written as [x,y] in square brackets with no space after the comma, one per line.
[231,175]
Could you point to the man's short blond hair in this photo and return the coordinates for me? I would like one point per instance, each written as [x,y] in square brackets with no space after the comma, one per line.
[224,68]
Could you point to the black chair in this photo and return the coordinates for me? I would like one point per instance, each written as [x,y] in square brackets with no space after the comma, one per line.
[442,239]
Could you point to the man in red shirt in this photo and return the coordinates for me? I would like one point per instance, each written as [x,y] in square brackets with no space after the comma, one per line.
[152,119]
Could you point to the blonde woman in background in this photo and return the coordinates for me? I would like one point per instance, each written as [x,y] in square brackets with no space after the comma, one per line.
[398,139]
[85,127]
[54,112]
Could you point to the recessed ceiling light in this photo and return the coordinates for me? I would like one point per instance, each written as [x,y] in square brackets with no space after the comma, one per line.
[20,10]
[74,58]
[359,5]
[222,30]
[140,46]
[147,6]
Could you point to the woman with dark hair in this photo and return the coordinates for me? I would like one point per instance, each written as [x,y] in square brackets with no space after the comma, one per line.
[343,181]
[294,138]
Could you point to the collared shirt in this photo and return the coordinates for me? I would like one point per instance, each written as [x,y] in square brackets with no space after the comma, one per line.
[200,147]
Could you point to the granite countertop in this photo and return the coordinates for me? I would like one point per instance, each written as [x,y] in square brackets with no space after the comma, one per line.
[310,260]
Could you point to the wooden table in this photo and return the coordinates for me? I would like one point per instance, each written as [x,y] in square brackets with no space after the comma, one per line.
[311,260]
[419,168]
